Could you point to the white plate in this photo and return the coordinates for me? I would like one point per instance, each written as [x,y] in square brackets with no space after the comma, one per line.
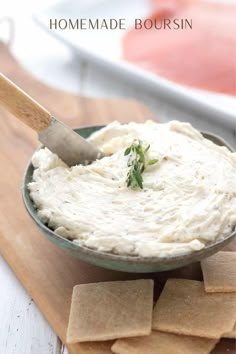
[103,47]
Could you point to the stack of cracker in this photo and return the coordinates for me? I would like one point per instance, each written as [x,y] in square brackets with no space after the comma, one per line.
[189,317]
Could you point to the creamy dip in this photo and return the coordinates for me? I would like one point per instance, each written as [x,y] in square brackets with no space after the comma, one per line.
[188,197]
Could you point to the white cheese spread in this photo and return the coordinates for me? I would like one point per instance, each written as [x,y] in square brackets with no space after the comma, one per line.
[188,197]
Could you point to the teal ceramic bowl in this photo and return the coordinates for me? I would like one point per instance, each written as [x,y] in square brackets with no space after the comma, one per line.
[112,261]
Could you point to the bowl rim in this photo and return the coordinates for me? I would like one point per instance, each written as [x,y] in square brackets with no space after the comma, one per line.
[111,256]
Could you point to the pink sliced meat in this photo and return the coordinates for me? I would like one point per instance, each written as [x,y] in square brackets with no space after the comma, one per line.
[202,57]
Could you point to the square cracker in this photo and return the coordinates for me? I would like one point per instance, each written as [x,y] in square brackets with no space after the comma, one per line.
[185,308]
[231,334]
[164,343]
[110,310]
[219,272]
[93,347]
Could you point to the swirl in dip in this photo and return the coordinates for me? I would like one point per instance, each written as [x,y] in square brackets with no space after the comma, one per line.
[188,198]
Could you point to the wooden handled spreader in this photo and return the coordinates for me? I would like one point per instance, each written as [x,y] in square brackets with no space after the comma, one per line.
[53,134]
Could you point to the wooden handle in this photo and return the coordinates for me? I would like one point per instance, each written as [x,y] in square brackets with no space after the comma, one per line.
[22,105]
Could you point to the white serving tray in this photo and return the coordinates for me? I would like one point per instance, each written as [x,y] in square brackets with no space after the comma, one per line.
[104,49]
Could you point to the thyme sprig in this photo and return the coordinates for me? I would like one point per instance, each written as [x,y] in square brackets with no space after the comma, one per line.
[137,163]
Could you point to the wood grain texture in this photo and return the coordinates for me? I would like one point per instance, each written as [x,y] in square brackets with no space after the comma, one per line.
[46,272]
[23,328]
[22,106]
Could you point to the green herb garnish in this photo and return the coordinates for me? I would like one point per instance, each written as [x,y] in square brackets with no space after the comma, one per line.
[137,163]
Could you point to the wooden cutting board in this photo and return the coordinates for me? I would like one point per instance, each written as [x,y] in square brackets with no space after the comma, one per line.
[46,272]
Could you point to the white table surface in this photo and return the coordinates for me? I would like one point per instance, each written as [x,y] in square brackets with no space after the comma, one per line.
[23,329]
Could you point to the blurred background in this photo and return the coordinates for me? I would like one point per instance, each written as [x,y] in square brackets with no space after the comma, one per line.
[45,57]
[61,64]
